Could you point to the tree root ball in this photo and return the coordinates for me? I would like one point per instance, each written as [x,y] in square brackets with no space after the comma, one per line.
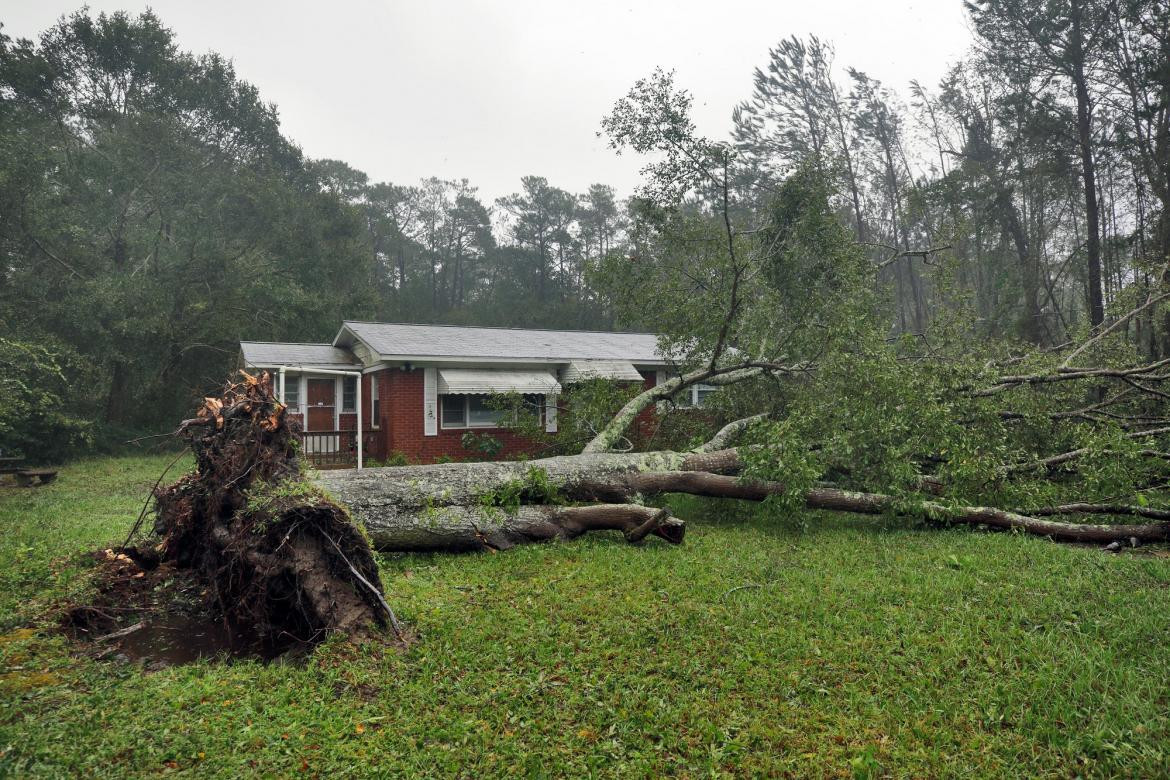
[275,552]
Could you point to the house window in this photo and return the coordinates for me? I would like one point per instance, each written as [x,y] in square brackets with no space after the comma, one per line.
[454,411]
[375,403]
[701,393]
[477,411]
[694,396]
[481,415]
[348,393]
[292,392]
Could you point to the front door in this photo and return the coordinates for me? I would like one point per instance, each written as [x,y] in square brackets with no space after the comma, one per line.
[320,402]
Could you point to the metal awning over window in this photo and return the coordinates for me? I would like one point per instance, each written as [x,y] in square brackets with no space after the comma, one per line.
[455,381]
[580,370]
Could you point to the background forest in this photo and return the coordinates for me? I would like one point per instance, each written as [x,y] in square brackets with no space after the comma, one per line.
[152,213]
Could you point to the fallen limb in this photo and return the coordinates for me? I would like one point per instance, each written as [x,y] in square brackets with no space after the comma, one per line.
[876,503]
[1101,509]
[459,528]
[1065,457]
[1151,299]
[122,632]
[729,433]
[1004,383]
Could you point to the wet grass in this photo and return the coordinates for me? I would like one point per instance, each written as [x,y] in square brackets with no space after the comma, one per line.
[849,649]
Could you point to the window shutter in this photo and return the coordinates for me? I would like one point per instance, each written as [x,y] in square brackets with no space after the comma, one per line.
[550,413]
[430,402]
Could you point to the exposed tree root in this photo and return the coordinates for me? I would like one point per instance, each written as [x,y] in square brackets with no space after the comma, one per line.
[275,553]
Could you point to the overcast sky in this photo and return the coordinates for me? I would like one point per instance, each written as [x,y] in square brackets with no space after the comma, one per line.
[493,91]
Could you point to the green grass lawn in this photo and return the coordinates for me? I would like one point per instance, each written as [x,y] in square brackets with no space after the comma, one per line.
[857,650]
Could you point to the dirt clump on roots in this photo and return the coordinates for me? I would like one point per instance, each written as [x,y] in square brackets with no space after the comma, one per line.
[276,559]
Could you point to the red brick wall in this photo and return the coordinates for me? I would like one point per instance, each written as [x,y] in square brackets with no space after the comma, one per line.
[401,394]
[400,428]
[646,423]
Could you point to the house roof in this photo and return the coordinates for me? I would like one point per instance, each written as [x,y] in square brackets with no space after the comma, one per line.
[267,353]
[390,339]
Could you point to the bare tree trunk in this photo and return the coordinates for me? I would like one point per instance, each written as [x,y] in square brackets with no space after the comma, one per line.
[456,506]
[1088,172]
[1029,265]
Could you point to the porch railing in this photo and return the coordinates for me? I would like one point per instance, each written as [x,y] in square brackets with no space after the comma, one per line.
[334,449]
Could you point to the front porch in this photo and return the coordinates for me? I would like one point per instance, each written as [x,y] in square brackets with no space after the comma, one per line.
[334,449]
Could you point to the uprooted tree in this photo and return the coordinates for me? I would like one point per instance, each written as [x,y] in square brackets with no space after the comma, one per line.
[823,407]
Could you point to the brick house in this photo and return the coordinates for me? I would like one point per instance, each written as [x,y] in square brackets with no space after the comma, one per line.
[422,387]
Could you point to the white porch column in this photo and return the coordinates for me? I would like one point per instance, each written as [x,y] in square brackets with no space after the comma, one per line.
[358,403]
[430,402]
[550,413]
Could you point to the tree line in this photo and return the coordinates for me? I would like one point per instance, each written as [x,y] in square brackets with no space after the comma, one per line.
[437,250]
[1032,180]
[153,213]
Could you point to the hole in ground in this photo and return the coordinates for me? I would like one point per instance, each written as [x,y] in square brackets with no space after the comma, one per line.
[168,640]
[159,618]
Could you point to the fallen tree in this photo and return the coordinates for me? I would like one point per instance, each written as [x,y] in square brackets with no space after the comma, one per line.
[475,506]
[291,555]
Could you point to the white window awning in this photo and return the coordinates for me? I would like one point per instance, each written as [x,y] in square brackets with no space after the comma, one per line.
[455,381]
[581,370]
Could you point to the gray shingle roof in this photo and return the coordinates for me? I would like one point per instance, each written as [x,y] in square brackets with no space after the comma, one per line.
[267,353]
[389,338]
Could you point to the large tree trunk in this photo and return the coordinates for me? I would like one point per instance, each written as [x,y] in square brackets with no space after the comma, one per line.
[475,506]
[1088,171]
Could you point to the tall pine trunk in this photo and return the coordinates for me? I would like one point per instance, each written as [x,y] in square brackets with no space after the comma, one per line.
[1088,171]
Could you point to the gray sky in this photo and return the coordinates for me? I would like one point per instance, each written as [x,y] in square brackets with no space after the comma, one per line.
[493,91]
